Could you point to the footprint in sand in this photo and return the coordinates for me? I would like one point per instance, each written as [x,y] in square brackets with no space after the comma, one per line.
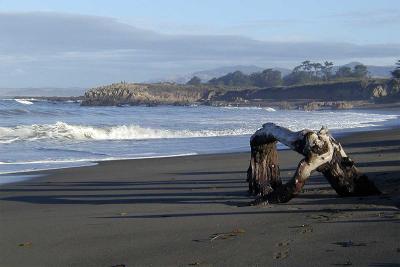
[346,244]
[284,253]
[197,263]
[303,229]
[25,244]
[281,254]
[283,244]
[306,229]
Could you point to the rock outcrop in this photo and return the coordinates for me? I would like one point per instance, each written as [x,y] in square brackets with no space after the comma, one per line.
[145,94]
[336,95]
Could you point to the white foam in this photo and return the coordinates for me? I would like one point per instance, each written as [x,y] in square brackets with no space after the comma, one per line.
[64,131]
[24,101]
[269,109]
[9,141]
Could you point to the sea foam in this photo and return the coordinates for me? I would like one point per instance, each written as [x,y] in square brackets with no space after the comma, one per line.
[65,131]
[24,101]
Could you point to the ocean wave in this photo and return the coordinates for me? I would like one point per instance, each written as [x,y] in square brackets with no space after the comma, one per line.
[13,112]
[269,109]
[24,101]
[9,141]
[64,131]
[69,150]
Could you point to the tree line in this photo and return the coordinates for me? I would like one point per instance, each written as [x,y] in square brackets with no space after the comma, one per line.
[306,72]
[396,72]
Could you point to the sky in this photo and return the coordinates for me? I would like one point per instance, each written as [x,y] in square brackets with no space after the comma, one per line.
[83,43]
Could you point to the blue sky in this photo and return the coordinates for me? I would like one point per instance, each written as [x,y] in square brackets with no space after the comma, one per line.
[98,42]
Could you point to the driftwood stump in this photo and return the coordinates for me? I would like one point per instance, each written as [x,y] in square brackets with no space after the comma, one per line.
[321,152]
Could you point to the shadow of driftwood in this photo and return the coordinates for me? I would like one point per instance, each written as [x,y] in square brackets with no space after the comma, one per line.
[372,144]
[379,163]
[207,173]
[227,197]
[232,192]
[378,151]
[125,186]
[388,264]
[175,190]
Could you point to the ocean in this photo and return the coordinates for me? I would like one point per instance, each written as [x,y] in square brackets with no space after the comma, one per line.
[38,134]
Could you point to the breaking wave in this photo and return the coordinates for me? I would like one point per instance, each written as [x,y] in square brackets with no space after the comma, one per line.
[13,112]
[64,131]
[24,101]
[269,109]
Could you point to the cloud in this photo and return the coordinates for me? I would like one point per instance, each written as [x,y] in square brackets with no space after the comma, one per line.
[364,18]
[67,49]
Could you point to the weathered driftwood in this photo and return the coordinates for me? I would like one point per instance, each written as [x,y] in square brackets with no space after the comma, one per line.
[321,152]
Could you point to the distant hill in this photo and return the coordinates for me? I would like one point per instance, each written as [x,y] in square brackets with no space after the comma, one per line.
[48,92]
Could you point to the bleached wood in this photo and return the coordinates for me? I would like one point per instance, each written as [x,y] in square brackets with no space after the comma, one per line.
[321,152]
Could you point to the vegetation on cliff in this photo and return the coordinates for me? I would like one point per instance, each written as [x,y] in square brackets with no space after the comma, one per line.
[396,72]
[306,73]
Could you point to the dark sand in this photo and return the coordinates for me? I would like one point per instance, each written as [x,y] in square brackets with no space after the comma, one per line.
[190,211]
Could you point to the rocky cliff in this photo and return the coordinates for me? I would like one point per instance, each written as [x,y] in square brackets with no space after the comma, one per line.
[147,94]
[330,91]
[165,93]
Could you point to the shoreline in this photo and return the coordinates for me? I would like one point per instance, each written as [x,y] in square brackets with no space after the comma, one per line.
[294,104]
[341,133]
[194,210]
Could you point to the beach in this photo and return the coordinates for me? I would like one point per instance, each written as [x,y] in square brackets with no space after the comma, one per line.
[193,211]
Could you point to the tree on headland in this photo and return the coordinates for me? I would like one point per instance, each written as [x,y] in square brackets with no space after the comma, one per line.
[317,70]
[297,77]
[326,70]
[343,72]
[266,78]
[360,71]
[194,81]
[236,78]
[396,71]
[306,72]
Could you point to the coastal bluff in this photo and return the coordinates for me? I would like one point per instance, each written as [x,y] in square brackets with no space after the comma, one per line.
[145,94]
[339,95]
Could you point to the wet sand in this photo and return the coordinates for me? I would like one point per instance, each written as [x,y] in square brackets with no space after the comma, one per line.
[192,211]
